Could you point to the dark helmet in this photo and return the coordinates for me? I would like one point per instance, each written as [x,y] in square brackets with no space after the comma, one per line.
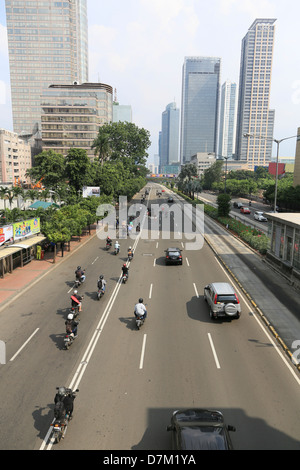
[101,277]
[141,301]
[78,267]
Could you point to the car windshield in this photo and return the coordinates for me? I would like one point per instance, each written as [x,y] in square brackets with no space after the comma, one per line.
[203,438]
[174,253]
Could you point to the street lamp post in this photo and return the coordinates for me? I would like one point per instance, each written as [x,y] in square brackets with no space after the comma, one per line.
[278,142]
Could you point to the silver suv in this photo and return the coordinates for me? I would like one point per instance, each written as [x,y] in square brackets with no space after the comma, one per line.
[222,300]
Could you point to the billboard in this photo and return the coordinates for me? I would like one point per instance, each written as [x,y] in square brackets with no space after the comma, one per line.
[88,191]
[26,228]
[6,234]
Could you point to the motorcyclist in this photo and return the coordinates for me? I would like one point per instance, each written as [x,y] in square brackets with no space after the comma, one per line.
[76,300]
[117,246]
[125,270]
[71,325]
[130,252]
[65,396]
[108,241]
[101,283]
[79,274]
[140,309]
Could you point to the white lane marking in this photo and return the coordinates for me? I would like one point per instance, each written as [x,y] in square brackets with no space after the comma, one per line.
[150,292]
[214,351]
[187,262]
[154,262]
[196,290]
[143,352]
[95,260]
[26,342]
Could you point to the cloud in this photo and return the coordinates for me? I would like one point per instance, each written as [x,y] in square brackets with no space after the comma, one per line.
[255,8]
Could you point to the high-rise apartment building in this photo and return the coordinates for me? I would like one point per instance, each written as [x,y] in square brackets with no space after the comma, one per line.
[200,106]
[72,115]
[15,158]
[254,115]
[48,44]
[169,138]
[228,110]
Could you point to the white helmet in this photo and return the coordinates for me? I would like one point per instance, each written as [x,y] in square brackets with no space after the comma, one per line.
[70,316]
[75,291]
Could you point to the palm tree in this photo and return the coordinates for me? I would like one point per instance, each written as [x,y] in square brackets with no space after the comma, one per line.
[102,146]
[17,191]
[4,195]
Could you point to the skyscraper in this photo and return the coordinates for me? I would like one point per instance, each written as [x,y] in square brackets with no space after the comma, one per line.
[227,119]
[200,106]
[169,145]
[254,116]
[48,44]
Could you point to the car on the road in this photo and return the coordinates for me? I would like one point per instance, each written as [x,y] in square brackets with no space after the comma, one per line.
[259,215]
[245,210]
[238,204]
[200,429]
[173,256]
[170,199]
[222,300]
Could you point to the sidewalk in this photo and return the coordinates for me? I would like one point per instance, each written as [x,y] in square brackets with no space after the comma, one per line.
[20,278]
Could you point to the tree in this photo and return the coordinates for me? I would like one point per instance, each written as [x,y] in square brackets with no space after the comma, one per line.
[77,166]
[101,145]
[212,174]
[223,201]
[50,166]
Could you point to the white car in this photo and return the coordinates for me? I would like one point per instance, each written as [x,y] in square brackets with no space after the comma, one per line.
[258,215]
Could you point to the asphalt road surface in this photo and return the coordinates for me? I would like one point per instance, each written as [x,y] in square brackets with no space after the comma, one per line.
[131,381]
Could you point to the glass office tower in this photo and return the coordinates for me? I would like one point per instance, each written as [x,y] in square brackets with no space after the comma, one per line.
[169,148]
[227,119]
[200,105]
[254,116]
[48,44]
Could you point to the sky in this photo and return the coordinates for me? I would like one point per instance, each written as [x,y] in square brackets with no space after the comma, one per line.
[138,47]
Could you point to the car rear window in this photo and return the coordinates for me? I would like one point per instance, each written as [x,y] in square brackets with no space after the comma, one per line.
[227,299]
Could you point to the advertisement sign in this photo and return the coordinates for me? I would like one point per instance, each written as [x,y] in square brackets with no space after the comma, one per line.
[6,234]
[26,228]
[90,191]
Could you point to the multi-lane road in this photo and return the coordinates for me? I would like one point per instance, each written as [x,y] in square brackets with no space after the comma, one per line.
[131,381]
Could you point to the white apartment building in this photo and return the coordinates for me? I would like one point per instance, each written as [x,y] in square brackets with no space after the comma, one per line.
[202,161]
[15,157]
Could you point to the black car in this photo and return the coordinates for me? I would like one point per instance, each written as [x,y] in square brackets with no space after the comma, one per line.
[173,256]
[200,429]
[170,199]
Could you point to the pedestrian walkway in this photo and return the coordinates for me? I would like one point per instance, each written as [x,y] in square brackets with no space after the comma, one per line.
[21,278]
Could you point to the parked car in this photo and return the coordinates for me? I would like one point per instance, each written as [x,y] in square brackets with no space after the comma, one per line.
[258,215]
[222,300]
[245,210]
[173,256]
[237,204]
[200,429]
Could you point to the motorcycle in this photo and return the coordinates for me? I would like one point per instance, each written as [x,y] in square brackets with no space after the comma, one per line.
[80,281]
[68,340]
[139,320]
[62,419]
[125,278]
[100,293]
[108,246]
[117,250]
[75,311]
[130,256]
